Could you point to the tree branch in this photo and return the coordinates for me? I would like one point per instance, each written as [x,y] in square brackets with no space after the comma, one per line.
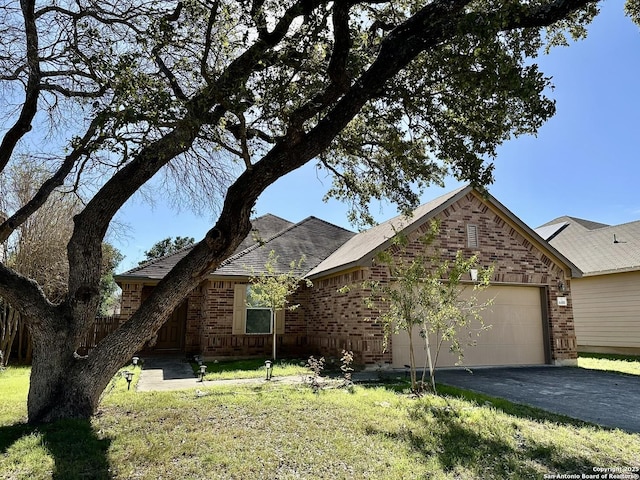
[8,226]
[32,91]
[213,15]
[24,295]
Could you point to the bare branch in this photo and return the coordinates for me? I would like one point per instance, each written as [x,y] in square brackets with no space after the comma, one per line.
[173,81]
[213,16]
[32,91]
[246,156]
[49,87]
[8,226]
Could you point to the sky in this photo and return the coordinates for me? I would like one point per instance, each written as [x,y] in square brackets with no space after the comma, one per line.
[583,162]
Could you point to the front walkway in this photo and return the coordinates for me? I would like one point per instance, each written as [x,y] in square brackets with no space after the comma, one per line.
[166,374]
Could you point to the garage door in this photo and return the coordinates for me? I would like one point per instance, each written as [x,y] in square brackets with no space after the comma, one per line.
[515,337]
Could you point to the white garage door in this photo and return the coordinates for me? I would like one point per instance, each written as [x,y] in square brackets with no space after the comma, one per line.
[515,337]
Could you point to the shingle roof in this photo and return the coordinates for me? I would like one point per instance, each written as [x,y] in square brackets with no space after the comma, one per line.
[312,237]
[597,248]
[262,227]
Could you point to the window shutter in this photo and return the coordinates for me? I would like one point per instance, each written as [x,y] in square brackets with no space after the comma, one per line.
[239,308]
[280,321]
[472,236]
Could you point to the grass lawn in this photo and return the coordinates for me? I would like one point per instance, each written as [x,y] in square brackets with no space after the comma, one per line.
[612,363]
[287,432]
[251,368]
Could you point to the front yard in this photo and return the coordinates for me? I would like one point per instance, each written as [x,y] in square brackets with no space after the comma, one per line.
[288,432]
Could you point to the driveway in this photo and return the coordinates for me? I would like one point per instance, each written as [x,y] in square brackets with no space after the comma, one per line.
[604,398]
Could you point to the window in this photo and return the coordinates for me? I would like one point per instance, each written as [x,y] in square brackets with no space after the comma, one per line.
[472,236]
[258,318]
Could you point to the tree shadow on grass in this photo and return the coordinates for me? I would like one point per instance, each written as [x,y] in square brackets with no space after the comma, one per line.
[76,450]
[462,443]
[465,447]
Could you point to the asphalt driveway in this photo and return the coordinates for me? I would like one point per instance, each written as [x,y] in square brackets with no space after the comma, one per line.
[604,398]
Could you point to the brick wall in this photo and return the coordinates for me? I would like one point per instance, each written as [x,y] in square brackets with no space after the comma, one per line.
[218,341]
[131,298]
[341,320]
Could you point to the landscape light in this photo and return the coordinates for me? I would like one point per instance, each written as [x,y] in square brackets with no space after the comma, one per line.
[203,369]
[269,366]
[129,376]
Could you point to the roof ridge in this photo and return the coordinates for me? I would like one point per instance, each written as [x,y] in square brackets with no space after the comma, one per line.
[310,217]
[272,215]
[588,224]
[259,243]
[262,243]
[412,218]
[430,208]
[157,259]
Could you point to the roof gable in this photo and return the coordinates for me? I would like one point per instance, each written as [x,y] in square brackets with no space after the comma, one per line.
[365,244]
[360,249]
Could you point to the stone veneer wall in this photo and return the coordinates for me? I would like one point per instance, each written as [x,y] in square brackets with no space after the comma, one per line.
[338,320]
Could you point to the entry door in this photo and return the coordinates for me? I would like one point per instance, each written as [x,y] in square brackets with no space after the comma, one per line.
[171,335]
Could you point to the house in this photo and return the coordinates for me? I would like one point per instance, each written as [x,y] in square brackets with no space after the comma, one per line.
[606,299]
[531,318]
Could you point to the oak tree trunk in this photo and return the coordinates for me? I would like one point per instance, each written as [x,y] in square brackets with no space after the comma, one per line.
[58,389]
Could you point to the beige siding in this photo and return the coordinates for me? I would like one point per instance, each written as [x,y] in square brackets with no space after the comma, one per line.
[280,314]
[606,311]
[514,338]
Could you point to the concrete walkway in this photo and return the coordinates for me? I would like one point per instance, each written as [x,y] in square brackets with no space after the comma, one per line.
[165,374]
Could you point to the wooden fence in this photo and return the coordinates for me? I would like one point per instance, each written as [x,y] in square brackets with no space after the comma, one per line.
[102,327]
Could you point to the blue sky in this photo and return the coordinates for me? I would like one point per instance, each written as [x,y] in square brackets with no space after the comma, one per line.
[583,163]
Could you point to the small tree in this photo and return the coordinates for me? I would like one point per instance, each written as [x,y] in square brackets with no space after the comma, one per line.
[272,289]
[427,292]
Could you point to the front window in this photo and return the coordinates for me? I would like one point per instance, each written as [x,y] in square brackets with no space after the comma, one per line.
[259,318]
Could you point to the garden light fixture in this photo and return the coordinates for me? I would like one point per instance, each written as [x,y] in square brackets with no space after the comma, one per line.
[203,369]
[269,366]
[128,376]
[135,361]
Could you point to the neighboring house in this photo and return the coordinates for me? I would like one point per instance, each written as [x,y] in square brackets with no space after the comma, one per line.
[529,324]
[606,299]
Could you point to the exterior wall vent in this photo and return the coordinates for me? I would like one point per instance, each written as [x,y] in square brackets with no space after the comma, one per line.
[472,236]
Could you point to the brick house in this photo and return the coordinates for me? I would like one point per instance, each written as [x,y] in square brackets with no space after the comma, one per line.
[531,318]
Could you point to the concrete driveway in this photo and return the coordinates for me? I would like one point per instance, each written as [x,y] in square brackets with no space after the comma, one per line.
[604,398]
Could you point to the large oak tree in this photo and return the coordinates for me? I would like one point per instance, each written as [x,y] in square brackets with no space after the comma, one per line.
[228,96]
